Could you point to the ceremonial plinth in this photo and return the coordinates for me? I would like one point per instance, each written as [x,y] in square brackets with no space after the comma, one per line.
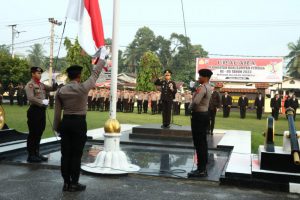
[112,160]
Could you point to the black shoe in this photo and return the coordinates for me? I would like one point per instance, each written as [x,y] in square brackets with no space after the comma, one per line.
[43,158]
[197,174]
[34,159]
[66,187]
[76,187]
[164,127]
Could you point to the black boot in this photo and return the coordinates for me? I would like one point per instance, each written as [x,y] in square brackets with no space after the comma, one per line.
[43,158]
[76,187]
[66,187]
[197,174]
[33,159]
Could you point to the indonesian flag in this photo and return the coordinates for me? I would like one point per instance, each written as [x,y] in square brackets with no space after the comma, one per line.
[87,14]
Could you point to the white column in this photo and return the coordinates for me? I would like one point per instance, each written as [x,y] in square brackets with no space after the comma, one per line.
[114,71]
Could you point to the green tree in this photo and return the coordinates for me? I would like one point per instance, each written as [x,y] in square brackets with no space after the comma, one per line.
[293,65]
[13,70]
[150,68]
[75,55]
[164,51]
[144,41]
[184,56]
[36,56]
[4,50]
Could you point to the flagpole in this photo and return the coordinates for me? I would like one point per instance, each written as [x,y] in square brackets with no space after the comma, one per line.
[115,52]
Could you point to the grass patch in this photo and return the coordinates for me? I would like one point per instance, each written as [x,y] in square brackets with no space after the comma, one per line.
[16,118]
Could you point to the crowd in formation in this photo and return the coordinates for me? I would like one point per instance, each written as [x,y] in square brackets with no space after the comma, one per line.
[99,100]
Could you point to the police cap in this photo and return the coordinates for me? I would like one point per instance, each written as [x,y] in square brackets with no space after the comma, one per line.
[167,71]
[36,69]
[73,71]
[205,73]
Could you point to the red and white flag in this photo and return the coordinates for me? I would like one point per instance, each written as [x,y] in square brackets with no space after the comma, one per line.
[87,14]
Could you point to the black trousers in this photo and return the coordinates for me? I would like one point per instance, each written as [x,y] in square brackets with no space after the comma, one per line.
[166,112]
[212,117]
[153,107]
[145,106]
[226,111]
[139,106]
[36,121]
[126,105]
[259,112]
[186,109]
[89,103]
[11,100]
[243,112]
[20,100]
[73,137]
[51,101]
[101,102]
[159,106]
[1,99]
[199,125]
[275,113]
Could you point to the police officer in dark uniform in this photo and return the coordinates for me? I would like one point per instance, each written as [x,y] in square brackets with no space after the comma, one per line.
[259,104]
[294,104]
[168,91]
[226,104]
[11,93]
[214,105]
[36,114]
[72,128]
[200,122]
[243,104]
[1,93]
[275,105]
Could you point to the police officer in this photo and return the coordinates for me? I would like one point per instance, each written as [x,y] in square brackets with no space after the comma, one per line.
[1,93]
[11,93]
[243,104]
[294,104]
[72,99]
[145,102]
[259,104]
[168,91]
[275,105]
[139,102]
[214,105]
[36,116]
[226,104]
[200,122]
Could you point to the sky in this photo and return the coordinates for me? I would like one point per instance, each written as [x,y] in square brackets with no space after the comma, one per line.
[231,27]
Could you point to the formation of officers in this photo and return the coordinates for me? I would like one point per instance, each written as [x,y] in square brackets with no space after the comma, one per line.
[99,100]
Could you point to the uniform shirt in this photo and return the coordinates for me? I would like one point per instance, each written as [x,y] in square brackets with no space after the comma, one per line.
[201,98]
[126,95]
[145,97]
[215,100]
[140,96]
[166,93]
[153,97]
[187,98]
[72,97]
[36,92]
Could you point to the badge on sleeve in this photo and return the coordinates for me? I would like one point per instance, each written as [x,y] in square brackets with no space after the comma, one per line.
[198,90]
[30,85]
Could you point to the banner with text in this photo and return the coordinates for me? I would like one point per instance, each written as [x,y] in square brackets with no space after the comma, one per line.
[243,69]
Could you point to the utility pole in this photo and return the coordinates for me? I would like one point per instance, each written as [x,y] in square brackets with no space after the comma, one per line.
[53,23]
[13,35]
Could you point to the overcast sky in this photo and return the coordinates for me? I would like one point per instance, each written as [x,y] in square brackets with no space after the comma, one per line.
[235,27]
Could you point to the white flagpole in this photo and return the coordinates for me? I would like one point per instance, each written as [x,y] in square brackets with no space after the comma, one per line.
[115,52]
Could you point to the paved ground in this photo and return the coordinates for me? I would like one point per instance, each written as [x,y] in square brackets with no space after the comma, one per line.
[28,182]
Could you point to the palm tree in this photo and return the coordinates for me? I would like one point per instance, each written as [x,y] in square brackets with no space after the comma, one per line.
[294,64]
[36,55]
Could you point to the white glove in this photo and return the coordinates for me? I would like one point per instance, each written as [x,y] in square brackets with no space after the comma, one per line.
[103,53]
[45,102]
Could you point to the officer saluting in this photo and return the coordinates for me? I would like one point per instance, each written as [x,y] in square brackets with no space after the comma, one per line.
[168,91]
[36,94]
[72,98]
[200,122]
